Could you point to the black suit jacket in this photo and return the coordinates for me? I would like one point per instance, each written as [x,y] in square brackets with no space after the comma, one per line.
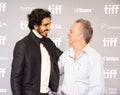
[26,66]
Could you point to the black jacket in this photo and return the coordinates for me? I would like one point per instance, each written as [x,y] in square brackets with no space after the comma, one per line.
[26,66]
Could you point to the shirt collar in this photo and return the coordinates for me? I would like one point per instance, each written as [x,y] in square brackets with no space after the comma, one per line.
[36,34]
[85,50]
[71,53]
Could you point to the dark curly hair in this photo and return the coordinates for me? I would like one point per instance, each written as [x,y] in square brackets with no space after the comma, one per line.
[36,17]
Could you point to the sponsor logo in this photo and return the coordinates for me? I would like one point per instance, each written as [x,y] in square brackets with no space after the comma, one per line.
[110,58]
[81,10]
[109,27]
[56,26]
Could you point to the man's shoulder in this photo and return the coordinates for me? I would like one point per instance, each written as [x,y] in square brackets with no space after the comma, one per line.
[93,53]
[49,40]
[24,41]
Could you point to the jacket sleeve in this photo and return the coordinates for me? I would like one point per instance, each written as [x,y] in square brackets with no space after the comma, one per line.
[51,46]
[58,52]
[17,68]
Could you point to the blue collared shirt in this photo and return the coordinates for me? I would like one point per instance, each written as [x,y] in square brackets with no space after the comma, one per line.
[83,75]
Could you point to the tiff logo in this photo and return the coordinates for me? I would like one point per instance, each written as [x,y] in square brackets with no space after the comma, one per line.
[57,40]
[3,90]
[23,25]
[110,42]
[22,8]
[2,7]
[110,74]
[2,40]
[111,9]
[3,24]
[2,72]
[55,9]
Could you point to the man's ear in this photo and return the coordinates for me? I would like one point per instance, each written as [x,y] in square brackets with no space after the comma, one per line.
[35,27]
[80,37]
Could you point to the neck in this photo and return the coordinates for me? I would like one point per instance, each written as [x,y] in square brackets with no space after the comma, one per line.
[78,47]
[37,34]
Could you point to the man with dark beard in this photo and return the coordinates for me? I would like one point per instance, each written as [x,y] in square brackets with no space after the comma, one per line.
[34,66]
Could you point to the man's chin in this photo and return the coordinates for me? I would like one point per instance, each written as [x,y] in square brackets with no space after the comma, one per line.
[44,35]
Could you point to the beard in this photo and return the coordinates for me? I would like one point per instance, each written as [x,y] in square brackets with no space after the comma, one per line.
[43,33]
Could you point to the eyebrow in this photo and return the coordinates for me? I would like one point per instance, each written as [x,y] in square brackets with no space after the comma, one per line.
[47,23]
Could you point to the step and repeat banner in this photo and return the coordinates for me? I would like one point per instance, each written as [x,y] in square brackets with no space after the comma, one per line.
[104,16]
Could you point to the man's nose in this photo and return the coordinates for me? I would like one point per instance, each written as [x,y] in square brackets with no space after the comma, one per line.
[48,27]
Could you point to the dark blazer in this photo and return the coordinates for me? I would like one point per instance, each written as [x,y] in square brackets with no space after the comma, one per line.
[26,66]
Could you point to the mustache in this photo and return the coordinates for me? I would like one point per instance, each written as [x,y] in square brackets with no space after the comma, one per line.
[46,30]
